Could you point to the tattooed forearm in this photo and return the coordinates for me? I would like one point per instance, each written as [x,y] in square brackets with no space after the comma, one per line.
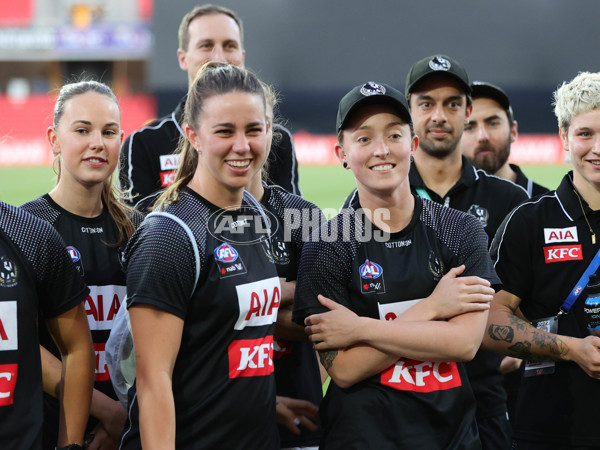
[552,343]
[521,350]
[327,357]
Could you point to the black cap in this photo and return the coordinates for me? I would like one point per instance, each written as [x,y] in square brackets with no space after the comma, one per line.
[437,64]
[482,89]
[488,90]
[368,94]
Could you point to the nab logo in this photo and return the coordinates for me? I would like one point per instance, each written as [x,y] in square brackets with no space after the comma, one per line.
[370,270]
[74,253]
[251,357]
[226,253]
[555,235]
[562,253]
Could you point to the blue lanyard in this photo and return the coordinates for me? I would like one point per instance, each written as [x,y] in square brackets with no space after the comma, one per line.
[578,289]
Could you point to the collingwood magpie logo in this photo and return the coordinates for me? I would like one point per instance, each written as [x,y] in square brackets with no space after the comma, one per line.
[480,213]
[372,88]
[439,63]
[8,272]
[435,266]
[276,250]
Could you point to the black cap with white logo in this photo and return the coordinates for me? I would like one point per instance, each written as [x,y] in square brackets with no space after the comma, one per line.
[435,65]
[371,93]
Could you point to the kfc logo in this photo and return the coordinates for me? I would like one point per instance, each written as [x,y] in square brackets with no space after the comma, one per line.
[167,178]
[421,376]
[9,339]
[101,367]
[8,381]
[556,235]
[562,253]
[251,357]
[258,302]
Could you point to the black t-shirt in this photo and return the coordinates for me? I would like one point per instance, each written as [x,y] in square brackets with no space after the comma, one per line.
[411,404]
[36,274]
[90,243]
[540,252]
[296,368]
[148,160]
[490,199]
[227,291]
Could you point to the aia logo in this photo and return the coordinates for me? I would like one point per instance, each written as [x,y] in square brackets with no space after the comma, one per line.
[170,162]
[226,253]
[370,270]
[556,235]
[74,253]
[562,253]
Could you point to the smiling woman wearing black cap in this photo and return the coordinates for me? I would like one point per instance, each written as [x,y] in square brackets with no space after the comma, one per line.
[394,292]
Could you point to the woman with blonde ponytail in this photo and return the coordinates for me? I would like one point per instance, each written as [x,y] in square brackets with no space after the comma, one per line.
[84,208]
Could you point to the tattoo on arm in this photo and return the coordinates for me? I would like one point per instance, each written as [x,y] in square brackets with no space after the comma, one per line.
[327,357]
[501,332]
[551,343]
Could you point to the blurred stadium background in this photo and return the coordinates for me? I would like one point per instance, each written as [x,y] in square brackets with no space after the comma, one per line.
[312,51]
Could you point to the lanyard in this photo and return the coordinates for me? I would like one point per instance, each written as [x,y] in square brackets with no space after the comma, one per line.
[578,289]
[423,193]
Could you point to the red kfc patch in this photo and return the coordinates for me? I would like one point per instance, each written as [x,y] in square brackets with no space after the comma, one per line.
[167,178]
[421,376]
[8,381]
[562,253]
[251,357]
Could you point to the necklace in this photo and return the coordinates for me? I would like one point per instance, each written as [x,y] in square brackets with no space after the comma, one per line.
[585,217]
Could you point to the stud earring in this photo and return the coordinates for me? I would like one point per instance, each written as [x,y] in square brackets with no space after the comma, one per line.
[345,165]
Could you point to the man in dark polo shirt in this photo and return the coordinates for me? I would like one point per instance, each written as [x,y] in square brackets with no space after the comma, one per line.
[148,160]
[489,133]
[438,92]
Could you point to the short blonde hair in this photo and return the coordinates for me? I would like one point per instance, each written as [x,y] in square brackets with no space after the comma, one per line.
[579,95]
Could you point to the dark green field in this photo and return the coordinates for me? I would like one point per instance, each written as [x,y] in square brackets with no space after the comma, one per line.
[326,186]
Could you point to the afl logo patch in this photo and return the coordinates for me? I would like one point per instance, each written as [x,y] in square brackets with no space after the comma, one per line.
[8,272]
[226,253]
[370,270]
[76,258]
[439,63]
[480,213]
[372,88]
[74,253]
[228,261]
[371,278]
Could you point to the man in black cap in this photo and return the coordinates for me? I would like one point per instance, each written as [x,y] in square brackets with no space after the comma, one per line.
[489,133]
[439,95]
